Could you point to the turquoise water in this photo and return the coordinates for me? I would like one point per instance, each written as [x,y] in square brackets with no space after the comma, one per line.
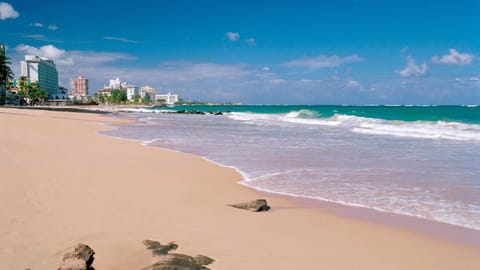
[420,161]
[462,114]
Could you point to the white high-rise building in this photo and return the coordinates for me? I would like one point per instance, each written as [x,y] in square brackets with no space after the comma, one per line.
[132,91]
[42,71]
[147,91]
[117,84]
[169,99]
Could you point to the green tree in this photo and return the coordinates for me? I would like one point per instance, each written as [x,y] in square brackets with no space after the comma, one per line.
[36,94]
[32,92]
[136,99]
[117,96]
[22,84]
[146,99]
[100,97]
[6,74]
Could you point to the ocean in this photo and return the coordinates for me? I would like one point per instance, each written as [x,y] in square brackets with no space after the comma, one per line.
[421,161]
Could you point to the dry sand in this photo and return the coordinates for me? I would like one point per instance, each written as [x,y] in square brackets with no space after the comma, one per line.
[61,183]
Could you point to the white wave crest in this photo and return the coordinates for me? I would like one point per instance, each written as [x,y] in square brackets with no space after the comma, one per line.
[421,129]
[372,126]
[131,110]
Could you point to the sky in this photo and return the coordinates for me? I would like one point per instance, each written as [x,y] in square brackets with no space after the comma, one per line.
[259,52]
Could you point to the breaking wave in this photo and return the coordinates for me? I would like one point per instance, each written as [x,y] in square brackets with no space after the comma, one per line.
[372,126]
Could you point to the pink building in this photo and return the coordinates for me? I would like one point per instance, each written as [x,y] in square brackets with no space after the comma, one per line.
[80,87]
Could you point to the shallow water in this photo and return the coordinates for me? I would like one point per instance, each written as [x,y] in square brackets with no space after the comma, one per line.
[427,169]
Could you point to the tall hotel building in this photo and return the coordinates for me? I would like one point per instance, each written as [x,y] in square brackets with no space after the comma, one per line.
[42,71]
[80,87]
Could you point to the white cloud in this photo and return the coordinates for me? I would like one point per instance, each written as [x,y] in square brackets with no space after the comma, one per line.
[404,49]
[47,51]
[454,58]
[37,24]
[124,40]
[64,58]
[52,27]
[323,61]
[232,36]
[7,11]
[251,41]
[266,68]
[352,83]
[412,69]
[41,38]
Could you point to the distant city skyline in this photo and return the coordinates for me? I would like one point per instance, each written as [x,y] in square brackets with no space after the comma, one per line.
[295,52]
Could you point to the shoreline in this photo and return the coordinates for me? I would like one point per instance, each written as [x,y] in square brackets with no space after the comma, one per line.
[150,195]
[435,229]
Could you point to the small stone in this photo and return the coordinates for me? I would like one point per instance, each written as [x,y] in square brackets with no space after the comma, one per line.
[151,244]
[257,205]
[159,249]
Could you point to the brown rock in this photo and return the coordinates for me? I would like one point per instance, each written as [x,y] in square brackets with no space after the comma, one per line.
[79,257]
[257,205]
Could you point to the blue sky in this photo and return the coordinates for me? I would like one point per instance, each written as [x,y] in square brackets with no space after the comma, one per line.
[308,52]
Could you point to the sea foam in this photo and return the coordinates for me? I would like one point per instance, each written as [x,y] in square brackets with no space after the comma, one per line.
[371,126]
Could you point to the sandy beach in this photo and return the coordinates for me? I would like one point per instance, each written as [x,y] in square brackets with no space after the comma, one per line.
[62,183]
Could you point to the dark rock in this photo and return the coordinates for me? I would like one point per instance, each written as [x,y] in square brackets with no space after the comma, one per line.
[203,260]
[78,258]
[176,262]
[257,205]
[190,112]
[159,249]
[151,244]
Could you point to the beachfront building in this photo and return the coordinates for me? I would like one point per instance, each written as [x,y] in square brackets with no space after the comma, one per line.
[106,91]
[147,92]
[132,91]
[116,84]
[79,87]
[168,99]
[42,71]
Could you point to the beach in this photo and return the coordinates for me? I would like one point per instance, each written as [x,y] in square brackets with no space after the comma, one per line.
[63,183]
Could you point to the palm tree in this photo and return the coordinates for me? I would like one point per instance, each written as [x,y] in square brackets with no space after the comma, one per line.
[6,74]
[36,94]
